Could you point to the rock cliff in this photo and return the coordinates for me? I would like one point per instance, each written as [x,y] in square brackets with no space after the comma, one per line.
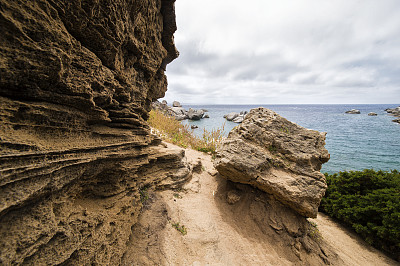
[278,157]
[77,79]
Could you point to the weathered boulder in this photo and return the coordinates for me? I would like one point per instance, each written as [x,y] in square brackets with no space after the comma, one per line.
[372,114]
[206,116]
[278,157]
[353,111]
[77,78]
[238,119]
[393,111]
[231,116]
[176,104]
[178,110]
[195,114]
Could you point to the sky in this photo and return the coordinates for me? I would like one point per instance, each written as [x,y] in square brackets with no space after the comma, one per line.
[286,52]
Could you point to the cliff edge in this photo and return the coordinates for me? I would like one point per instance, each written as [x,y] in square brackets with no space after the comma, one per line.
[77,79]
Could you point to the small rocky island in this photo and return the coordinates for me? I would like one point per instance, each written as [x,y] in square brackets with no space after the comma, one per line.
[353,111]
[394,112]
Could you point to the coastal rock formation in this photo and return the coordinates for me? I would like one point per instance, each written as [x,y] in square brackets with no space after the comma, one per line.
[176,104]
[178,112]
[236,117]
[353,111]
[77,79]
[278,157]
[372,114]
[394,112]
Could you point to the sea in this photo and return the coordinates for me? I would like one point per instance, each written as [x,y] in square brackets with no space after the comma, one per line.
[354,141]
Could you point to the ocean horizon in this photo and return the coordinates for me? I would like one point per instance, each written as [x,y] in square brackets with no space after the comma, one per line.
[354,141]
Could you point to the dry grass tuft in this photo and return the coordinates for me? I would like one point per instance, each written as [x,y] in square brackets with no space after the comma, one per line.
[171,130]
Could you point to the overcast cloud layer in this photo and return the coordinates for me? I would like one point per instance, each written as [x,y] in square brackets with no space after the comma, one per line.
[286,51]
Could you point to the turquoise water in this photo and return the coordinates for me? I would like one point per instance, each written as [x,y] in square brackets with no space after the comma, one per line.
[355,142]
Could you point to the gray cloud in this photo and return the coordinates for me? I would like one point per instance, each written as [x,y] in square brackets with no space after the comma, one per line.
[306,51]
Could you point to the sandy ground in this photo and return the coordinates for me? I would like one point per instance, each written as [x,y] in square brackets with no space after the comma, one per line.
[216,237]
[350,247]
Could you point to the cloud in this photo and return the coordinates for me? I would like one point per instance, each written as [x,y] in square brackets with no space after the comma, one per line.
[305,51]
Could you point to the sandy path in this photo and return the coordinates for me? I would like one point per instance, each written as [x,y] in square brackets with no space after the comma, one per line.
[210,239]
[218,236]
[350,247]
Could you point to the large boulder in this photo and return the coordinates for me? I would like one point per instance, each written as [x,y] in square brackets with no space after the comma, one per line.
[231,116]
[353,111]
[178,110]
[238,119]
[278,157]
[393,111]
[195,114]
[176,104]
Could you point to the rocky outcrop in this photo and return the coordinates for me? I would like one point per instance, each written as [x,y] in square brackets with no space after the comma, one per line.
[176,104]
[353,111]
[372,114]
[77,79]
[236,117]
[394,112]
[178,112]
[278,157]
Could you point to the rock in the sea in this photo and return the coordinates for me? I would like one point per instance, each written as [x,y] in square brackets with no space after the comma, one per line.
[76,82]
[178,110]
[372,114]
[278,157]
[393,111]
[176,104]
[238,119]
[195,114]
[206,116]
[231,116]
[193,127]
[353,111]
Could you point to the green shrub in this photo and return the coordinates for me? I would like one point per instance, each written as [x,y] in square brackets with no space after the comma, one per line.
[180,228]
[369,202]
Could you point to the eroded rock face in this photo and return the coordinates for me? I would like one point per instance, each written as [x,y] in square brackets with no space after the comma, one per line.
[278,157]
[77,79]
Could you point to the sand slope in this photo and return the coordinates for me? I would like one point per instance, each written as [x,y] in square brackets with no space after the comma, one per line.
[216,235]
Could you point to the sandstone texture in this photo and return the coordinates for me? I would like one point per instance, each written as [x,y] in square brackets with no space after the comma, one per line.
[77,79]
[278,157]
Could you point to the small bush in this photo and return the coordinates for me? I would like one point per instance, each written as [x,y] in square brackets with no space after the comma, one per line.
[313,231]
[171,130]
[181,228]
[369,202]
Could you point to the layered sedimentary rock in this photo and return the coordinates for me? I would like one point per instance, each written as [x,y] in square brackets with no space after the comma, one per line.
[278,157]
[77,79]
